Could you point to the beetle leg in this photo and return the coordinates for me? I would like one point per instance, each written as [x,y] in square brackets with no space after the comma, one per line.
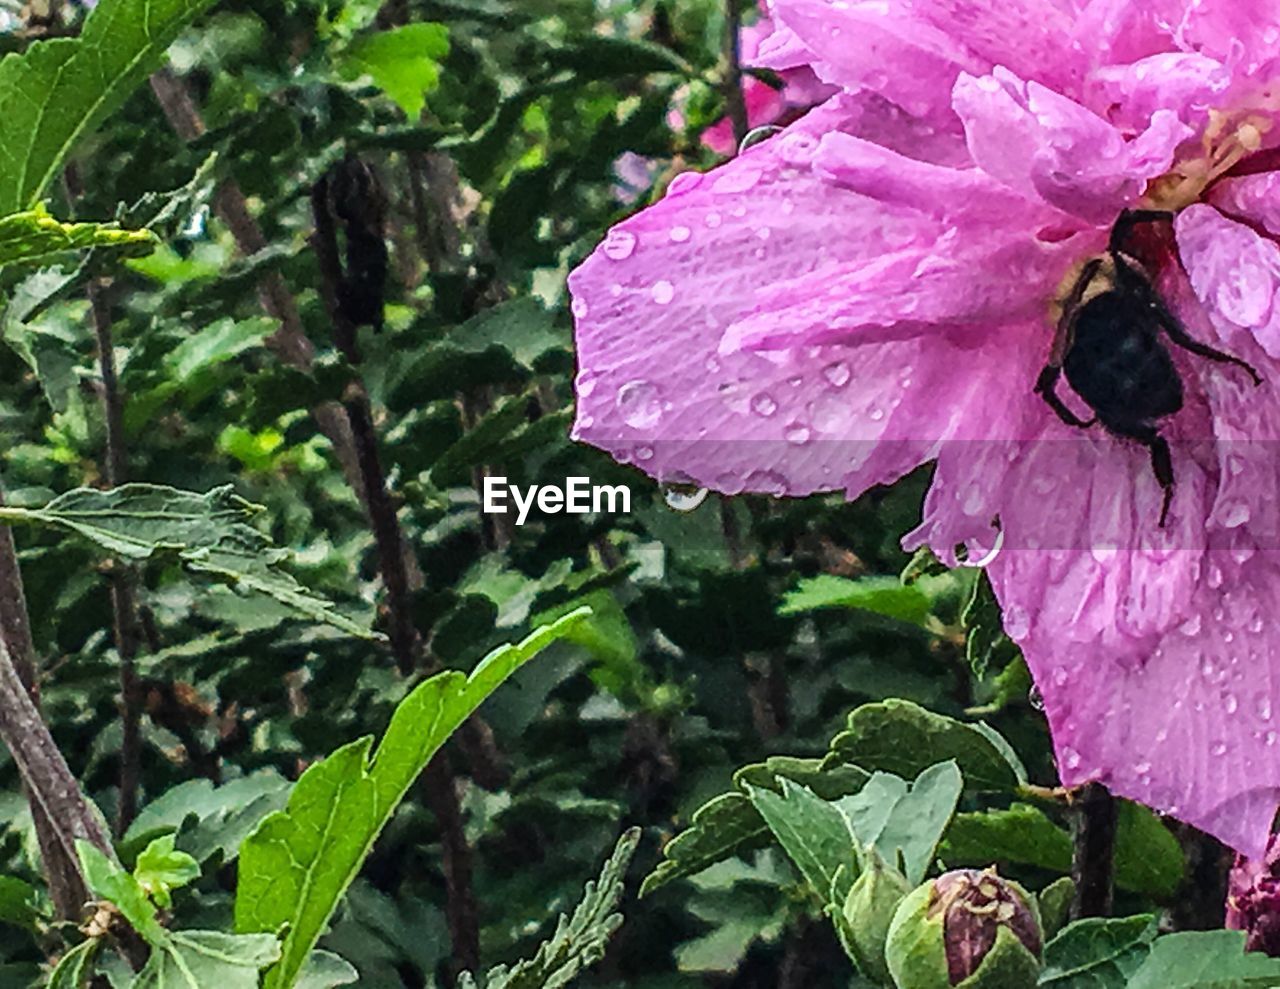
[1045,388]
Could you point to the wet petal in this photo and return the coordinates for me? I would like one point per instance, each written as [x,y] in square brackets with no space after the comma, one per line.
[1235,273]
[1041,143]
[1251,197]
[1189,83]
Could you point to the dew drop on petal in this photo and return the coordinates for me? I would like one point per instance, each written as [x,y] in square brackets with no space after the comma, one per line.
[1262,706]
[735,180]
[768,482]
[1230,704]
[619,245]
[1219,748]
[713,220]
[683,497]
[662,292]
[639,404]
[1234,515]
[837,375]
[797,433]
[644,453]
[585,383]
[684,182]
[679,234]
[798,148]
[579,308]
[1017,622]
[1070,758]
[1191,627]
[764,404]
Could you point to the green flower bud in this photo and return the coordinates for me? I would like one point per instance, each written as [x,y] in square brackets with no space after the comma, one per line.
[966,929]
[868,911]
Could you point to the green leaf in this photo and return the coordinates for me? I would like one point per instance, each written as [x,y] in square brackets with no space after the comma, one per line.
[160,870]
[1205,960]
[886,596]
[206,959]
[220,341]
[903,738]
[579,940]
[108,881]
[521,326]
[919,818]
[295,867]
[811,830]
[75,967]
[403,62]
[599,57]
[1149,859]
[206,532]
[1022,835]
[34,237]
[324,970]
[1098,953]
[58,91]
[20,904]
[729,823]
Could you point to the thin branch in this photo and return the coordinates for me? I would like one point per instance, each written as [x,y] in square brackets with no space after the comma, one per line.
[733,95]
[1093,852]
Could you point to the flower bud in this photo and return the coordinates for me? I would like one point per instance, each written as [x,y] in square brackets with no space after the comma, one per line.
[1253,899]
[868,911]
[967,928]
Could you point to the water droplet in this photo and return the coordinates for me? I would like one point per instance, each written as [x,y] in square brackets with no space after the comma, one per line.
[757,136]
[644,453]
[713,220]
[764,405]
[640,404]
[875,414]
[619,245]
[684,182]
[1061,676]
[1214,577]
[680,234]
[798,148]
[1017,622]
[662,292]
[1191,627]
[683,497]
[1271,738]
[1219,748]
[768,482]
[797,433]
[1070,758]
[736,179]
[763,233]
[1262,706]
[1230,704]
[1142,768]
[1234,515]
[579,308]
[1035,698]
[973,500]
[712,365]
[585,383]
[837,375]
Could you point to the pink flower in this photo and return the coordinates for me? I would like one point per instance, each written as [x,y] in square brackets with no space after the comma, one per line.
[1253,899]
[873,289]
[801,88]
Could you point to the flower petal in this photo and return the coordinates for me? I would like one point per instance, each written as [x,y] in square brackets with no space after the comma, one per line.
[1041,143]
[1251,197]
[1235,273]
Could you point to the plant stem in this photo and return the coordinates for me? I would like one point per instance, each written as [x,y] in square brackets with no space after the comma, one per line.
[62,870]
[1093,851]
[733,96]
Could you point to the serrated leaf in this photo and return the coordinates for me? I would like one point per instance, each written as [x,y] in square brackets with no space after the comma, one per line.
[324,970]
[58,91]
[297,864]
[75,967]
[729,824]
[903,738]
[1205,960]
[160,870]
[811,830]
[205,959]
[20,904]
[1148,858]
[579,940]
[918,820]
[108,881]
[1098,953]
[33,237]
[205,531]
[886,596]
[403,62]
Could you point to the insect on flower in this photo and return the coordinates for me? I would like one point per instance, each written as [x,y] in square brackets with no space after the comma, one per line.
[1108,344]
